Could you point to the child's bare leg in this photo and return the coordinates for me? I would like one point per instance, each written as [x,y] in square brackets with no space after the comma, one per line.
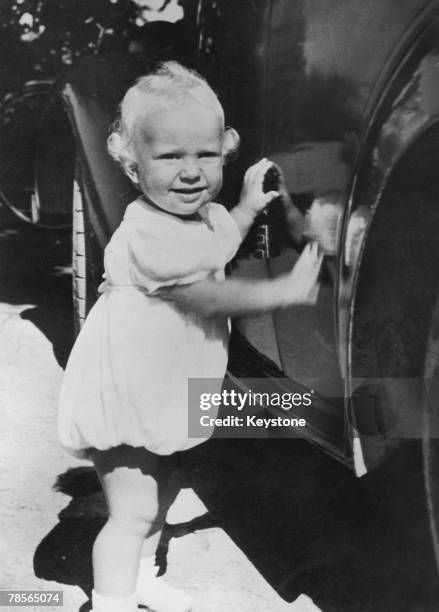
[132,480]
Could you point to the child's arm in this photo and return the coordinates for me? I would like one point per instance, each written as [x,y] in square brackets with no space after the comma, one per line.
[252,199]
[237,297]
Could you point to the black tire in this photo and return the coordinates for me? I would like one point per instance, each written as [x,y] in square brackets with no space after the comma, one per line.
[79,257]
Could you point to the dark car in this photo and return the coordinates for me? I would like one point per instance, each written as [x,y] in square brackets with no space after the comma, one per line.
[345,97]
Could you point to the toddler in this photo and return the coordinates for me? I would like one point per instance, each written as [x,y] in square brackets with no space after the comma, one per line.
[161,319]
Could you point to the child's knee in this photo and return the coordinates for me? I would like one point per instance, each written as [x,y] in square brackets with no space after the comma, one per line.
[141,518]
[137,524]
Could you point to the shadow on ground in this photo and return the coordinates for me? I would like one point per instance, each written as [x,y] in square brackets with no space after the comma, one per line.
[64,555]
[309,526]
[304,521]
[34,269]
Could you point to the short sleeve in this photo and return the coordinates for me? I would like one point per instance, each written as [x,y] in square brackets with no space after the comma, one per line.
[155,261]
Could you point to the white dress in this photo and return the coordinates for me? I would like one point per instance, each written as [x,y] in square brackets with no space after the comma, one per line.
[126,381]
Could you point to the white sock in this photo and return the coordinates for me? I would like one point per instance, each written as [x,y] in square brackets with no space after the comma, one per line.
[156,593]
[103,603]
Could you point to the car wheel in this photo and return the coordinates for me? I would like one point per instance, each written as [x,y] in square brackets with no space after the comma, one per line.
[79,257]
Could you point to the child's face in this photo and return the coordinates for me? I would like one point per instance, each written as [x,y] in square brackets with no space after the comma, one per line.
[179,157]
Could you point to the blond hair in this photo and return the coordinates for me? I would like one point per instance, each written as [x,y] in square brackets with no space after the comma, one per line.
[170,84]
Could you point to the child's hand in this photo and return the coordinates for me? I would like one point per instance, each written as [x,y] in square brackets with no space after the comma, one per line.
[301,285]
[253,199]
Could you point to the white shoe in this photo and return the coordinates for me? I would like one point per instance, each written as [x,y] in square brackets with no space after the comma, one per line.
[156,593]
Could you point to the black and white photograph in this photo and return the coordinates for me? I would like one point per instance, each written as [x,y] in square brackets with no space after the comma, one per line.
[219,305]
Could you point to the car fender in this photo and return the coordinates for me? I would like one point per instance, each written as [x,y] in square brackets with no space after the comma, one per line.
[405,111]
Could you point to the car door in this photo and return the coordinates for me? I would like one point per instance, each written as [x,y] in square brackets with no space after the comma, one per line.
[309,148]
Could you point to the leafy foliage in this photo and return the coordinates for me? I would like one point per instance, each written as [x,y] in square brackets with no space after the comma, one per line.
[39,37]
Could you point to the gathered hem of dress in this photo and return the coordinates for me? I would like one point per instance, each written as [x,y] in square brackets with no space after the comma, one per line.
[85,453]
